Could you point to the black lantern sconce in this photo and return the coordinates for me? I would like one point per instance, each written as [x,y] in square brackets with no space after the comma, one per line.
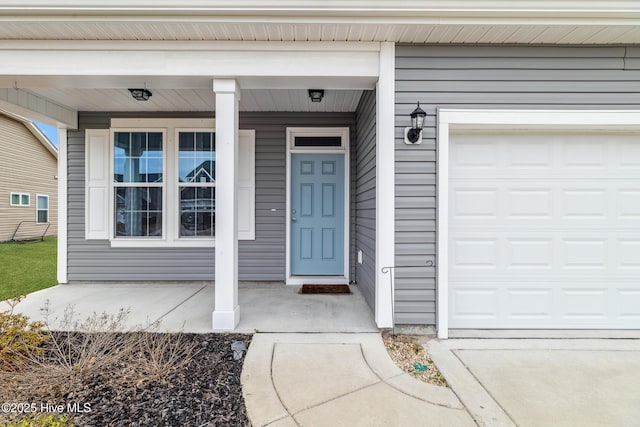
[140,94]
[413,134]
[316,95]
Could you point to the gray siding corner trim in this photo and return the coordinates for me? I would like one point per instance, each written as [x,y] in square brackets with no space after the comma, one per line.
[505,77]
[262,259]
[365,196]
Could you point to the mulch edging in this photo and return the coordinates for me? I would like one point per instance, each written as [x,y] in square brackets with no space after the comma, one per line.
[204,392]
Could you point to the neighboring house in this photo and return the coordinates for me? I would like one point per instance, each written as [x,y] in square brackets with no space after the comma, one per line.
[28,181]
[518,207]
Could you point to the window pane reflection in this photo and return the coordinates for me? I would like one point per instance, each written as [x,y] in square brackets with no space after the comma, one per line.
[138,211]
[196,157]
[137,157]
[197,211]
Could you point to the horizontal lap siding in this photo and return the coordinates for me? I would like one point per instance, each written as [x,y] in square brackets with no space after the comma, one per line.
[482,77]
[262,259]
[366,195]
[26,166]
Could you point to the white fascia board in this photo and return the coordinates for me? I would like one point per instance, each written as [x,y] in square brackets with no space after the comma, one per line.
[33,107]
[332,8]
[27,61]
[196,45]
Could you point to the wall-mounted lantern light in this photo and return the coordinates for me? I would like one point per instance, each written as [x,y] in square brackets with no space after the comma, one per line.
[413,134]
[316,95]
[140,94]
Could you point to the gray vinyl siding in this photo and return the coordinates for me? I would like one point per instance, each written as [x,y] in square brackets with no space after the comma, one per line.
[262,259]
[517,77]
[366,196]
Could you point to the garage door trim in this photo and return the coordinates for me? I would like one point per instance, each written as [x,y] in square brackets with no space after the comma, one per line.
[450,120]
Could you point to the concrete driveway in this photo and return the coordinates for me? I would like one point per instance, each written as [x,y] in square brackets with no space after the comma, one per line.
[541,382]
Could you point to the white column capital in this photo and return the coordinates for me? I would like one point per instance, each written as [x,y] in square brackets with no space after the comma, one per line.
[221,86]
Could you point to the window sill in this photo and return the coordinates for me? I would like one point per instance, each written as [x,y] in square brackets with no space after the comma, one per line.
[136,243]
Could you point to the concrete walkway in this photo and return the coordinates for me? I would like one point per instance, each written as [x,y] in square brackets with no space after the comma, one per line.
[339,380]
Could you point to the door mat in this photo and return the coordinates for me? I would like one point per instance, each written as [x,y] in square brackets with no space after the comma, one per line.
[325,289]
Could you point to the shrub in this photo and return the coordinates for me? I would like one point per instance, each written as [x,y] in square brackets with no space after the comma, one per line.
[19,338]
[43,421]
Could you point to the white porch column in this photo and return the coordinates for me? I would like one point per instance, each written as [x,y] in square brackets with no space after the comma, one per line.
[385,184]
[227,312]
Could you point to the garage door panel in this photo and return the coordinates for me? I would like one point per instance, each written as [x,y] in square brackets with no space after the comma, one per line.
[544,231]
[550,304]
[629,307]
[530,155]
[583,152]
[628,204]
[577,252]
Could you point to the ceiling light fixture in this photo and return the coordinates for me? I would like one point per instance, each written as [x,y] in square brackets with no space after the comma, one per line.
[316,95]
[140,94]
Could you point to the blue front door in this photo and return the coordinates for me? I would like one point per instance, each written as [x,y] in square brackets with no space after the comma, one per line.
[317,214]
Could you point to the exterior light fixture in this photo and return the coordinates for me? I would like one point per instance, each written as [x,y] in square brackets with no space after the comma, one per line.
[238,348]
[413,134]
[140,94]
[316,95]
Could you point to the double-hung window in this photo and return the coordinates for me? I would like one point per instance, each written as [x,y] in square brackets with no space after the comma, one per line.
[138,183]
[42,209]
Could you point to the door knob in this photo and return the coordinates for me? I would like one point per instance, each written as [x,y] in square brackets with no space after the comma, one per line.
[294,219]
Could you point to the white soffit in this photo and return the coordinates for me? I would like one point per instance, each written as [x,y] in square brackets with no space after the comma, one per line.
[559,32]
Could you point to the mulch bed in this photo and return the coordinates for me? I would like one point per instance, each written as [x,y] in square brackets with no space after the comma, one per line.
[409,355]
[205,391]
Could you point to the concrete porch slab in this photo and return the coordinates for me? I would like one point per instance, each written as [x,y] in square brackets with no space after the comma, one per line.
[188,307]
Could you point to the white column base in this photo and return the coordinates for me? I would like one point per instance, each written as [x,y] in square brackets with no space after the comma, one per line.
[226,320]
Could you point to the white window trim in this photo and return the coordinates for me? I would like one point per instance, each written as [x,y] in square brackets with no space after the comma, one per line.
[452,120]
[20,196]
[38,209]
[292,132]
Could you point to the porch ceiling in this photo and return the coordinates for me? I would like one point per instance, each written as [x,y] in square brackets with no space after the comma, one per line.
[198,99]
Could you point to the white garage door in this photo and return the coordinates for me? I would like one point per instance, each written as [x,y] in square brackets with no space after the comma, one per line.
[544,231]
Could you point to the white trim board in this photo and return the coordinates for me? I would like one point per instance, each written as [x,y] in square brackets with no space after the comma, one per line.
[344,149]
[385,188]
[451,120]
[185,60]
[62,273]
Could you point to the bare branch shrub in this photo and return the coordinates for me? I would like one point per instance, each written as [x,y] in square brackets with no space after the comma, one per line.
[96,346]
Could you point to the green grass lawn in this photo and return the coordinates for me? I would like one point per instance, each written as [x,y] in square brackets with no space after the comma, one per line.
[27,267]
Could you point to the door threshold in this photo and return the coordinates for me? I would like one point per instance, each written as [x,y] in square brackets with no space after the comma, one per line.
[317,280]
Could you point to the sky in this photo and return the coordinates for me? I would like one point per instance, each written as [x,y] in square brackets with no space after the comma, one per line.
[50,132]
